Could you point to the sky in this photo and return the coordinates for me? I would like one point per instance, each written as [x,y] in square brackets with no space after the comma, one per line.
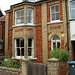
[5,4]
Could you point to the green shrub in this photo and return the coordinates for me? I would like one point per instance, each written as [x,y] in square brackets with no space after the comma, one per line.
[62,55]
[11,63]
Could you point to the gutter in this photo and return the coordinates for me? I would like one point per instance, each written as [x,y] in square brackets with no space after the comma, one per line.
[67,25]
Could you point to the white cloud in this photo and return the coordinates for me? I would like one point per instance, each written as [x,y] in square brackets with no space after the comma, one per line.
[5,4]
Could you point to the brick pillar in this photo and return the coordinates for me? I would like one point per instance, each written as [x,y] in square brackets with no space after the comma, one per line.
[53,65]
[24,68]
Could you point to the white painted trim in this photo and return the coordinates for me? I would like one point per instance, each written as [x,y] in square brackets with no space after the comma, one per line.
[24,25]
[22,58]
[54,22]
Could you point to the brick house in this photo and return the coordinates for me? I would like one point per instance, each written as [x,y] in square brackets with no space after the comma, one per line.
[34,28]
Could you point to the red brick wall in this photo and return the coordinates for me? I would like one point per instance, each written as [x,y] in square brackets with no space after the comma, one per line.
[38,35]
[49,48]
[10,34]
[62,43]
[61,12]
[48,12]
[63,68]
[38,14]
[39,44]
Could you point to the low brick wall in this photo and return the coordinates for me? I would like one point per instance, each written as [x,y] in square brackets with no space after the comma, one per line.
[57,68]
[63,68]
[10,71]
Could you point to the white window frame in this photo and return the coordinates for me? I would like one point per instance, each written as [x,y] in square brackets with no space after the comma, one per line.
[54,41]
[32,54]
[18,57]
[30,16]
[71,9]
[54,12]
[18,17]
[33,0]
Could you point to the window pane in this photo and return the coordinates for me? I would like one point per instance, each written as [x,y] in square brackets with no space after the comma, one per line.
[18,13]
[0,46]
[53,17]
[57,16]
[54,45]
[22,52]
[22,42]
[57,38]
[58,44]
[22,19]
[17,43]
[18,21]
[29,12]
[52,9]
[18,51]
[30,15]
[20,45]
[22,12]
[73,5]
[29,20]
[29,42]
[56,8]
[19,16]
[29,51]
[73,14]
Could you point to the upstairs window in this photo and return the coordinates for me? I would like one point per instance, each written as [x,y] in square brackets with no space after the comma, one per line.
[72,10]
[19,16]
[30,16]
[54,11]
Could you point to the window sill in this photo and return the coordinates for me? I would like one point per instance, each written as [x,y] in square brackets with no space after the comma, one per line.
[72,20]
[54,22]
[23,25]
[22,58]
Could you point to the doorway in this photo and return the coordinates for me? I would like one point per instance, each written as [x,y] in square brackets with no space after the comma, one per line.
[73,50]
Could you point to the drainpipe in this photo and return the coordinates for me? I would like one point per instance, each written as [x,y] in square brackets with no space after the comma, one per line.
[67,24]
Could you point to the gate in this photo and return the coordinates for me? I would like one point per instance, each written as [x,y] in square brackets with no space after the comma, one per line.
[37,69]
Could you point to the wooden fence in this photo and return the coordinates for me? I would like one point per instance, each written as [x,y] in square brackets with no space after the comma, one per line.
[37,69]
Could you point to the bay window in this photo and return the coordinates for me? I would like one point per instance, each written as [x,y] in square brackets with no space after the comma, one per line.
[19,16]
[54,12]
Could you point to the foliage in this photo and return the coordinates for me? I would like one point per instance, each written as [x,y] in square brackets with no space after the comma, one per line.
[61,54]
[11,63]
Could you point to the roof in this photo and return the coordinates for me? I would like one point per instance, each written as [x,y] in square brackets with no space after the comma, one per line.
[27,2]
[2,18]
[1,14]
